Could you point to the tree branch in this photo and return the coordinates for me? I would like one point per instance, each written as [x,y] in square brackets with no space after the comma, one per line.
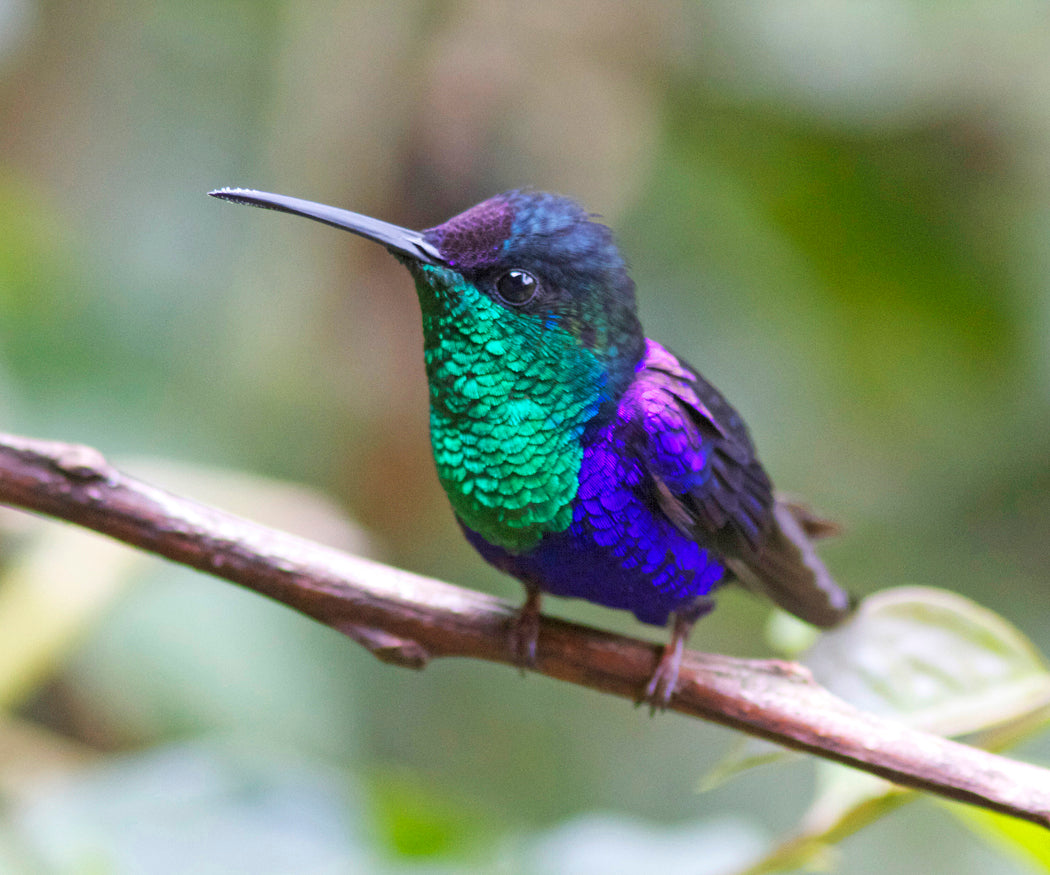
[407,620]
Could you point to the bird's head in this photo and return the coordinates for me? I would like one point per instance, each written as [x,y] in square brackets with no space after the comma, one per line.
[536,262]
[543,259]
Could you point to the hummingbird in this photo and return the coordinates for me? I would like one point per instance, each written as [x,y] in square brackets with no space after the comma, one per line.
[579,456]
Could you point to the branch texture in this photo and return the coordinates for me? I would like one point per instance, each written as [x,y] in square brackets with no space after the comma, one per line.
[407,619]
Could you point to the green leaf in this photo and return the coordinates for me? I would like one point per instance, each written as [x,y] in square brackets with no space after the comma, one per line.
[50,595]
[747,753]
[150,663]
[935,661]
[615,843]
[66,578]
[789,635]
[205,808]
[1026,842]
[414,821]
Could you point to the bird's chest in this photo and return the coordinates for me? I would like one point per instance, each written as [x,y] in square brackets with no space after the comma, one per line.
[506,434]
[619,550]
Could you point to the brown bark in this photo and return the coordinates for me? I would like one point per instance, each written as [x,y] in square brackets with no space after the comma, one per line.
[406,619]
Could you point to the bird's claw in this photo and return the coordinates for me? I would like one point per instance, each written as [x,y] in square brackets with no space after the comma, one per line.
[664,682]
[525,632]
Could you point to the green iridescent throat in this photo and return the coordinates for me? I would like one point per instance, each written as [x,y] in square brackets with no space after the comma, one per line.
[509,398]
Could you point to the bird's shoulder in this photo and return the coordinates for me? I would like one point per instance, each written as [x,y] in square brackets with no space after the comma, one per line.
[701,467]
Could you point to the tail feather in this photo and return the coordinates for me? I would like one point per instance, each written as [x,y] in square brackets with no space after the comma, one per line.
[787,570]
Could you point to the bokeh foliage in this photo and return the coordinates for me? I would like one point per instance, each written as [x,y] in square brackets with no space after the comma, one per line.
[839,212]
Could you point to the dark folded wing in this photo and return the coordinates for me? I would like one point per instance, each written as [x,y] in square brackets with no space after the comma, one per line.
[705,476]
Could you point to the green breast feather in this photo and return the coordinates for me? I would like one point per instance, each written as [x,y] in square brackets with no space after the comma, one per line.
[509,397]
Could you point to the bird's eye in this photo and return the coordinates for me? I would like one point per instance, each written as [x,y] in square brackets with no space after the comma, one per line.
[517,287]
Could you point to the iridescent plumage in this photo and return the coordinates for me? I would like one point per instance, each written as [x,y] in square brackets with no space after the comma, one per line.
[578,456]
[621,550]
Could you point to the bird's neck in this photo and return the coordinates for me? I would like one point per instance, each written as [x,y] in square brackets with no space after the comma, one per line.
[509,401]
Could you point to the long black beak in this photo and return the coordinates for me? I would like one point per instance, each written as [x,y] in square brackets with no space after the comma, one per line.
[398,240]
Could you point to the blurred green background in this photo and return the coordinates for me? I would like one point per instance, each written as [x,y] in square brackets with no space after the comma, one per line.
[840,212]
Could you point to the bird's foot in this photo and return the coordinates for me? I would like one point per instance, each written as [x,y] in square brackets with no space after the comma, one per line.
[525,631]
[664,682]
